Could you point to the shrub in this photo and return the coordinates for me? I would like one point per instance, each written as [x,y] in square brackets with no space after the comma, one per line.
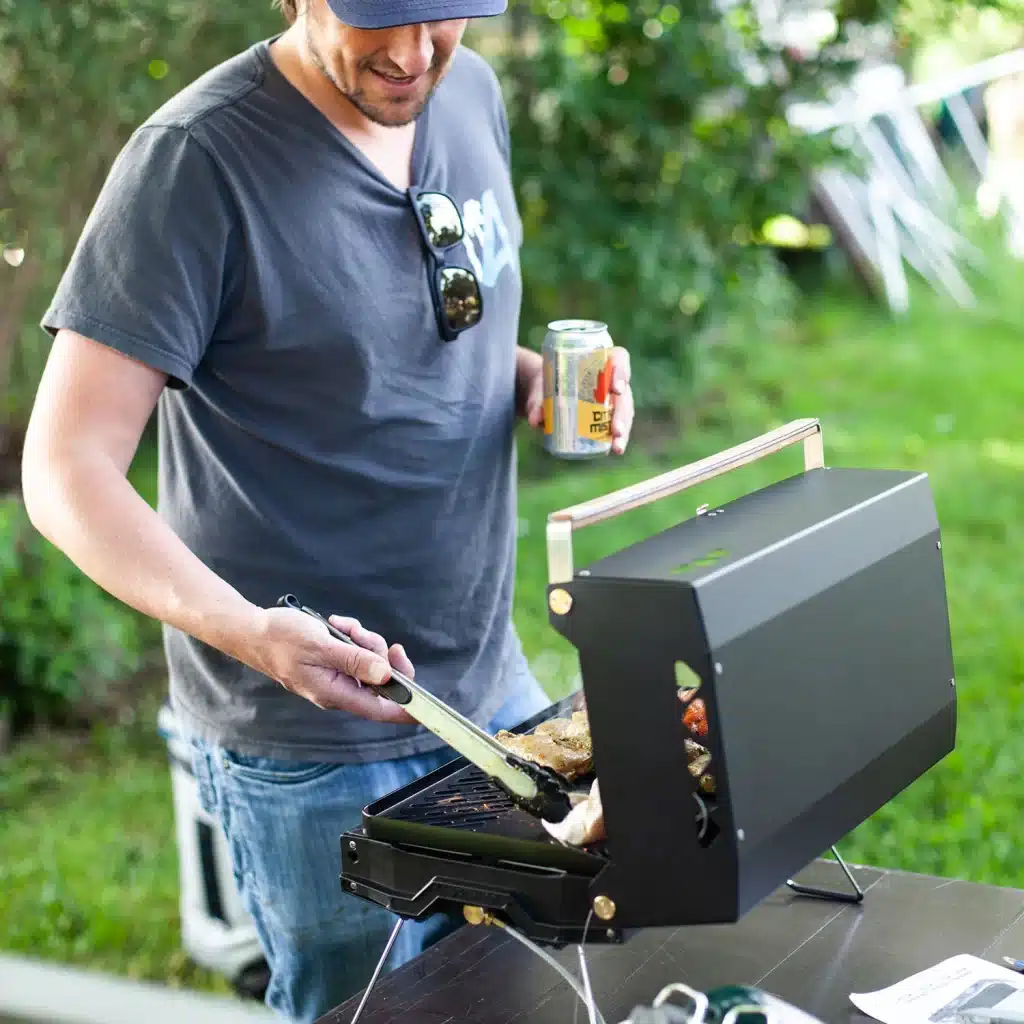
[63,640]
[650,148]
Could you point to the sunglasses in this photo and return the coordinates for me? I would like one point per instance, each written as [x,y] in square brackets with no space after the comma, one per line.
[455,291]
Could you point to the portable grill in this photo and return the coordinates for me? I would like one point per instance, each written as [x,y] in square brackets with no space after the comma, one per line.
[759,680]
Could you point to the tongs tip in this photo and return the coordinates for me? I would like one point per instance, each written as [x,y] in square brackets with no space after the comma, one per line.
[551,801]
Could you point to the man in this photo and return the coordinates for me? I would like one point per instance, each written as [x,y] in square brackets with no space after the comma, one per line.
[334,365]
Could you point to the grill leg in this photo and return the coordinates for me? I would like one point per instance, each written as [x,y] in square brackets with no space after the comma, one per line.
[832,894]
[378,969]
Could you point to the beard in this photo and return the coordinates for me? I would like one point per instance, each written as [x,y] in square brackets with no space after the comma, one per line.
[393,114]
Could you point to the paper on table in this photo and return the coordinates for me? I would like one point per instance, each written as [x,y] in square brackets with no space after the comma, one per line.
[947,993]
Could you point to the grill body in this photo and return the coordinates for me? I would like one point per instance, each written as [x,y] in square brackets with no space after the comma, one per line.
[814,615]
[453,839]
[811,619]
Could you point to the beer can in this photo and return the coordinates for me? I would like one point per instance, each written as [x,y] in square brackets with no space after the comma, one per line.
[577,389]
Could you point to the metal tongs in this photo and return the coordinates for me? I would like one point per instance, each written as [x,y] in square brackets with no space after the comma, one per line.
[535,788]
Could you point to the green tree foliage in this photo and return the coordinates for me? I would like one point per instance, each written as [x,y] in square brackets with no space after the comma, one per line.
[63,641]
[651,146]
[76,76]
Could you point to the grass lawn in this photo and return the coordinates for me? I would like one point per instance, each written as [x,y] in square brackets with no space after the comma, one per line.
[88,872]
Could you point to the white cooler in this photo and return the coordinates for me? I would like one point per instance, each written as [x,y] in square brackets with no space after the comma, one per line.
[216,930]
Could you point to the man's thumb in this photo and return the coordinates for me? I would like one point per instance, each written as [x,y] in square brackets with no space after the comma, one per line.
[360,663]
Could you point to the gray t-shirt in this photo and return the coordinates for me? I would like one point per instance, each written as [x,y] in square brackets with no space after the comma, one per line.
[318,436]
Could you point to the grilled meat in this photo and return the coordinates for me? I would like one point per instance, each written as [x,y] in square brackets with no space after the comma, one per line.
[570,732]
[561,744]
[698,758]
[564,745]
[544,750]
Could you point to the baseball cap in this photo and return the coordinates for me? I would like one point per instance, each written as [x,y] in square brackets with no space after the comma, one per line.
[389,13]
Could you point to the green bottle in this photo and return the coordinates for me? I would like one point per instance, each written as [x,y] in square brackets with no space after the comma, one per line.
[752,1006]
[730,1004]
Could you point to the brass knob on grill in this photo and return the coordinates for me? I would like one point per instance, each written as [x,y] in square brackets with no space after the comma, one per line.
[476,915]
[560,601]
[604,907]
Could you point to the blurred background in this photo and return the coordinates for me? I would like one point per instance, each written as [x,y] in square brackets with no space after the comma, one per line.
[785,208]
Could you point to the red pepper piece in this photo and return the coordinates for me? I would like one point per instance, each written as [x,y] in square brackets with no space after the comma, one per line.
[696,718]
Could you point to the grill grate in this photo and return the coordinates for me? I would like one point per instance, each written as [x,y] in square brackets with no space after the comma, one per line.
[468,800]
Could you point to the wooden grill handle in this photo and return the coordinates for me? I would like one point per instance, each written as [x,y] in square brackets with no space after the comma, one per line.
[562,523]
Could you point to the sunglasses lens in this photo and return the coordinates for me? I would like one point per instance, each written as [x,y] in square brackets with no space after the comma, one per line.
[440,218]
[460,298]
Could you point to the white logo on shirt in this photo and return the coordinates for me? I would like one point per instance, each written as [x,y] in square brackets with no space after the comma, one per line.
[487,240]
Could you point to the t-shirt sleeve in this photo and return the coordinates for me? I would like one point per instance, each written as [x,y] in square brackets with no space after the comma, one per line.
[150,269]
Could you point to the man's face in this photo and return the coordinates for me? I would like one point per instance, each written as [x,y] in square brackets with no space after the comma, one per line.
[387,74]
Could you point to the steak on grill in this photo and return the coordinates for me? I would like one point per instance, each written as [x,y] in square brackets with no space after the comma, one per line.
[561,744]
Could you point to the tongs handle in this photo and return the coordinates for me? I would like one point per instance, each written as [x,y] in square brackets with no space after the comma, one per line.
[399,688]
[562,523]
[532,787]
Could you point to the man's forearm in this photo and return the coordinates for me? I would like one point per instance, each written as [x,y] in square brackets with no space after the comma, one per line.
[84,505]
[528,364]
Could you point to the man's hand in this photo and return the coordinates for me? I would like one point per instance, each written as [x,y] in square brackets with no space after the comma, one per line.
[531,384]
[299,653]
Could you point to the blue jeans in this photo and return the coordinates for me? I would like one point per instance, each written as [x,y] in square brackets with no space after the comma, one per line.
[283,820]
